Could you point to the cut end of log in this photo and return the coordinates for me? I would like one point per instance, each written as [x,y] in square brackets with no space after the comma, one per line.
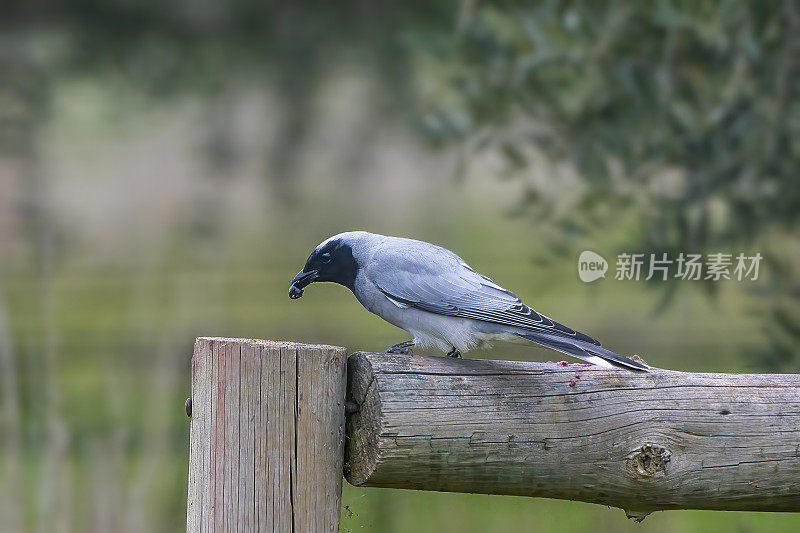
[362,432]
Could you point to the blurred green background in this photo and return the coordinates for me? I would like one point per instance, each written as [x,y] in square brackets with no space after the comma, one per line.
[165,169]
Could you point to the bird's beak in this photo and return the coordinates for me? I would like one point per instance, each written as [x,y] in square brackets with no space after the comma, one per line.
[300,281]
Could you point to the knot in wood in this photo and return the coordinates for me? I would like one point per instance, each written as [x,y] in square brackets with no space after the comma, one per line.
[648,460]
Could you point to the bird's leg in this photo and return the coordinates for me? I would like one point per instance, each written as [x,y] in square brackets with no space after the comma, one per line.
[454,353]
[403,348]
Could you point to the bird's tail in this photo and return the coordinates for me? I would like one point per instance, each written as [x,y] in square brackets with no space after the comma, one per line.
[587,351]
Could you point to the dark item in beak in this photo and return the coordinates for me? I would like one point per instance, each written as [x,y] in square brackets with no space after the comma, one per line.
[300,281]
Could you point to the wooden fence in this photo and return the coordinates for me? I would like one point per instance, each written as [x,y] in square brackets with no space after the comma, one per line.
[269,441]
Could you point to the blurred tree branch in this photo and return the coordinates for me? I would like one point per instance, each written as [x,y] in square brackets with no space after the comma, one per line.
[686,113]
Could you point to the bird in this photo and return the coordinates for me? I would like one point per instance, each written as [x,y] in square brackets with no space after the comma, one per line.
[434,295]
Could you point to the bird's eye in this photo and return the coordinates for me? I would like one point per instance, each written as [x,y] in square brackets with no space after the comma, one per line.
[326,257]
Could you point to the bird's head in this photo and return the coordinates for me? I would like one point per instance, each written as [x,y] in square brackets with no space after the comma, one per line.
[332,261]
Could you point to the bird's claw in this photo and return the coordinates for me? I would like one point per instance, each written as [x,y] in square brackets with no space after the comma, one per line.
[403,348]
[400,351]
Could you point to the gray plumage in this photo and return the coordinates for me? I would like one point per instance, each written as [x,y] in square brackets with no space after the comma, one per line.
[438,298]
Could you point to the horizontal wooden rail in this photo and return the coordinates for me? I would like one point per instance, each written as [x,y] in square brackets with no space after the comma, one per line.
[641,441]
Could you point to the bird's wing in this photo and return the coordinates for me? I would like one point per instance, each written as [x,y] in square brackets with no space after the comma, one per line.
[438,281]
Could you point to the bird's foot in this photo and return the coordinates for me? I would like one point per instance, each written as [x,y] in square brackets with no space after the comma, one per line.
[454,353]
[402,348]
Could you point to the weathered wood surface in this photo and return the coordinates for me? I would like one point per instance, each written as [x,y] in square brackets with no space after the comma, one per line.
[638,441]
[267,431]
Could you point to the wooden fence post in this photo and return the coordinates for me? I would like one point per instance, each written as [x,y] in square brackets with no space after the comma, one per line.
[267,436]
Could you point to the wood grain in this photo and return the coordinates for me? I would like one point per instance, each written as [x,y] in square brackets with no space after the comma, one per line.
[267,435]
[641,441]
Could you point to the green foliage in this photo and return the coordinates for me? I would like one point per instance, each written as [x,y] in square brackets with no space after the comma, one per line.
[686,112]
[623,90]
